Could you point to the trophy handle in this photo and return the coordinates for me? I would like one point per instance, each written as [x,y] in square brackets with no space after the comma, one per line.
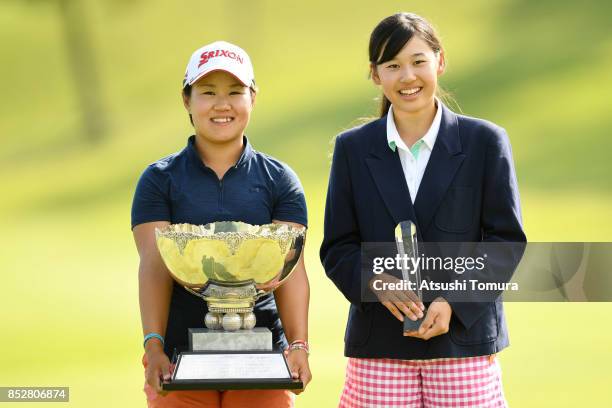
[260,293]
[194,292]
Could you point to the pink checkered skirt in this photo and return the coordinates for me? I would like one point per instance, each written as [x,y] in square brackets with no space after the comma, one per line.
[472,382]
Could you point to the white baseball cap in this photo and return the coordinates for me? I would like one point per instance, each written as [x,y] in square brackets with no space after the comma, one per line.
[222,56]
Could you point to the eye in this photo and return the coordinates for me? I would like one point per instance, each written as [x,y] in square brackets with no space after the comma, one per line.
[208,93]
[393,66]
[419,62]
[236,93]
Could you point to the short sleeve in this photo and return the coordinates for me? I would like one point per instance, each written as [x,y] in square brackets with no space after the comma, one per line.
[290,203]
[151,202]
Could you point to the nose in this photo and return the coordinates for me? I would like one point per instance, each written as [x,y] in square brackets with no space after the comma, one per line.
[407,74]
[222,104]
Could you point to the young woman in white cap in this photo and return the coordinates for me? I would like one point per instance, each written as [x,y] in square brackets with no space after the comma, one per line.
[218,176]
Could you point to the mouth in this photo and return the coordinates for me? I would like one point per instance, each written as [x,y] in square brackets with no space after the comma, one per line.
[222,120]
[410,92]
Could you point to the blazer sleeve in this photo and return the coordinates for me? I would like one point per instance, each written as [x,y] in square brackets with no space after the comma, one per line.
[500,223]
[341,248]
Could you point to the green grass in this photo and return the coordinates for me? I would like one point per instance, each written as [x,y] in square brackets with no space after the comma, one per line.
[69,289]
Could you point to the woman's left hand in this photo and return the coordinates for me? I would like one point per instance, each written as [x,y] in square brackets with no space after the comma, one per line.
[436,322]
[298,364]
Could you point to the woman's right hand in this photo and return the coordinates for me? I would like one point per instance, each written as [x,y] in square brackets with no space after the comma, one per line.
[398,302]
[158,366]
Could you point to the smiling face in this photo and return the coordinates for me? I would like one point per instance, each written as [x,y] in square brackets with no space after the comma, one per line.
[220,106]
[410,79]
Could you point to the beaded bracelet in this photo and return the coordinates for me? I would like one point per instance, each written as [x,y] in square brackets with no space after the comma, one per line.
[153,336]
[299,345]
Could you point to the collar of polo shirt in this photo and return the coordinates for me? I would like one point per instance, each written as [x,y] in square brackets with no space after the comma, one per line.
[395,141]
[245,156]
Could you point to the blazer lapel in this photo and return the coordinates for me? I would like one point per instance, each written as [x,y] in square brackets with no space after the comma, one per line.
[386,169]
[446,158]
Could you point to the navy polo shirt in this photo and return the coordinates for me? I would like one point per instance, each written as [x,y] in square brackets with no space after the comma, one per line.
[180,188]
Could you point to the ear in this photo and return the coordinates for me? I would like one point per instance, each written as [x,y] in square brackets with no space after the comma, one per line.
[186,101]
[441,63]
[374,74]
[253,97]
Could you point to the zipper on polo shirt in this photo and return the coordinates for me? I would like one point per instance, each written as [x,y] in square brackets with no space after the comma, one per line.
[221,186]
[220,201]
[220,182]
[221,194]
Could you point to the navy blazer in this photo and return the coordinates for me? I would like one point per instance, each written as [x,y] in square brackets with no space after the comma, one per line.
[468,193]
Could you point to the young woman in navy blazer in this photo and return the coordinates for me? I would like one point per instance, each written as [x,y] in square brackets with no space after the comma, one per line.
[453,176]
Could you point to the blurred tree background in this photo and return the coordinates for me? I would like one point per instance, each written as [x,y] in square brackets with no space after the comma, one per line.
[91,95]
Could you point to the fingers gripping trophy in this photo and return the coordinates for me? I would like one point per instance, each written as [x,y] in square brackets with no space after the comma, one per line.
[230,265]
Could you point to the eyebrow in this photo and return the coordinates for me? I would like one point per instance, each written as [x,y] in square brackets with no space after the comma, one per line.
[416,54]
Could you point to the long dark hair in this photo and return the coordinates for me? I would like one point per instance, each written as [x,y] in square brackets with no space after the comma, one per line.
[390,36]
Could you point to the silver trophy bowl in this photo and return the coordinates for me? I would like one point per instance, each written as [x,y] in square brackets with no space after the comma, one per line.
[230,265]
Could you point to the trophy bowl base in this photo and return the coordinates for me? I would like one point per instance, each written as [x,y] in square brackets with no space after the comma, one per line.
[258,338]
